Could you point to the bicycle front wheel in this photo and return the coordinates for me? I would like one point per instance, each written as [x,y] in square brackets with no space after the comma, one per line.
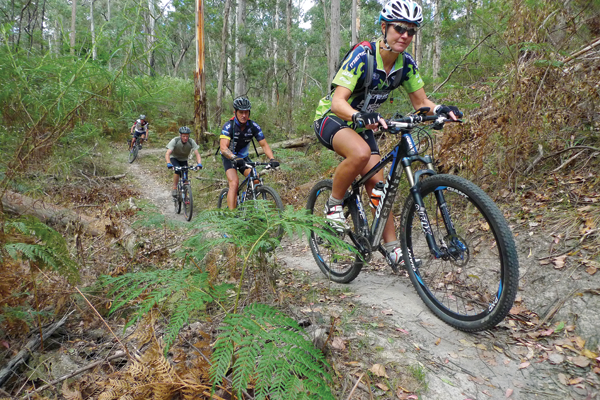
[177,201]
[133,153]
[473,285]
[222,201]
[339,264]
[188,202]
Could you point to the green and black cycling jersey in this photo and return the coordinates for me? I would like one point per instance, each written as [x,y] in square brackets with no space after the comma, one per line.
[351,76]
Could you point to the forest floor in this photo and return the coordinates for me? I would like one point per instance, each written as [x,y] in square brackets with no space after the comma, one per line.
[539,351]
[546,348]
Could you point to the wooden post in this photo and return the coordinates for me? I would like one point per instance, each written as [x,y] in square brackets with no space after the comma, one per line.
[200,121]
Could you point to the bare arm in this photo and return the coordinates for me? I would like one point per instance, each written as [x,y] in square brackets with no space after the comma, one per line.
[265,146]
[198,157]
[419,99]
[224,145]
[168,155]
[341,107]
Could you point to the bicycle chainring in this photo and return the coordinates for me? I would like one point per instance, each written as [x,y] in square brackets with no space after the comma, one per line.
[362,245]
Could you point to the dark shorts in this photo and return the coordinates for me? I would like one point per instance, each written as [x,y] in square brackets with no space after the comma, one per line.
[327,127]
[227,164]
[177,163]
[138,134]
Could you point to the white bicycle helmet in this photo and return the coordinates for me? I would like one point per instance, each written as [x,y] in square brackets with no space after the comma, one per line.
[402,11]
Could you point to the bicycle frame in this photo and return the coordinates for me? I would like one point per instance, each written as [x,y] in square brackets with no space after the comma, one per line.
[248,183]
[401,156]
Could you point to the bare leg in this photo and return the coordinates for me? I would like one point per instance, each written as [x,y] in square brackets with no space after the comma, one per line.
[234,182]
[356,152]
[389,232]
[175,181]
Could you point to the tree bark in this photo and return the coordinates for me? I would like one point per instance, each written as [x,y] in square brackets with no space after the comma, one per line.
[290,57]
[73,18]
[16,203]
[437,44]
[93,30]
[222,58]
[274,45]
[334,38]
[151,34]
[355,23]
[240,51]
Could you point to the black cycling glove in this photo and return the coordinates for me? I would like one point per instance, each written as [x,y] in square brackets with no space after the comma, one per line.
[362,119]
[445,110]
[239,162]
[273,164]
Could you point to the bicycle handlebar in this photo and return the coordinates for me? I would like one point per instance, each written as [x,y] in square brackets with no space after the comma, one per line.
[412,120]
[183,168]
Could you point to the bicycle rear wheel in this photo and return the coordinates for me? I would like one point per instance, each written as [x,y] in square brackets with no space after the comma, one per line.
[473,286]
[177,201]
[222,201]
[133,153]
[188,201]
[340,265]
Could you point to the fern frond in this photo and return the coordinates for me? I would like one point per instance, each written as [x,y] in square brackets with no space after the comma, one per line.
[272,347]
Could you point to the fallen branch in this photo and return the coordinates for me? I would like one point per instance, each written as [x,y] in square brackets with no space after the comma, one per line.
[74,373]
[23,355]
[537,159]
[580,52]
[567,162]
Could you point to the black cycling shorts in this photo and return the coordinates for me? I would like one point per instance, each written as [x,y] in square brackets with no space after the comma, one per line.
[228,164]
[177,163]
[327,127]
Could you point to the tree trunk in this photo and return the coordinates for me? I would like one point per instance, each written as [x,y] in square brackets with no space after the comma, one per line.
[355,22]
[222,58]
[92,30]
[418,43]
[200,117]
[290,57]
[73,17]
[42,27]
[335,38]
[240,78]
[303,75]
[274,45]
[151,33]
[437,43]
[50,214]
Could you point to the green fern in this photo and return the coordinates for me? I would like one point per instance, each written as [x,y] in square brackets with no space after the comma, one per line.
[29,238]
[155,287]
[272,348]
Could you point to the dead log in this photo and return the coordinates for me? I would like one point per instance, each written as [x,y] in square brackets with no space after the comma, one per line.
[23,355]
[286,144]
[51,214]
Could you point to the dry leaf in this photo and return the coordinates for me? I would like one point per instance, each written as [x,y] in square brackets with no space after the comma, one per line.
[563,379]
[559,261]
[589,354]
[524,365]
[508,393]
[579,342]
[338,344]
[575,381]
[591,270]
[581,361]
[438,341]
[387,312]
[378,370]
[382,387]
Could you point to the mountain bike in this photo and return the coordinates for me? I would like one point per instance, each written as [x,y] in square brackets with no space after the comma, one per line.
[252,188]
[184,192]
[458,250]
[136,145]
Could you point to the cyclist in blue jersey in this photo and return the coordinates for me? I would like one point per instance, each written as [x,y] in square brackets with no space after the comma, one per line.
[236,135]
[345,121]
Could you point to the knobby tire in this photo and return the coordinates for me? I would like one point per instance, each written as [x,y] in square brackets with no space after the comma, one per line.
[338,264]
[133,153]
[188,202]
[473,288]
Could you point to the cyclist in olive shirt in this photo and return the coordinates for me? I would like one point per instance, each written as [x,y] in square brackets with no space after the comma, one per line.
[178,152]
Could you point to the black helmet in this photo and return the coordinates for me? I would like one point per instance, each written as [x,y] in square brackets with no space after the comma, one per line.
[184,130]
[242,104]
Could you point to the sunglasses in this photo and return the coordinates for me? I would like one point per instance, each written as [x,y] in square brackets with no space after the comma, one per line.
[401,29]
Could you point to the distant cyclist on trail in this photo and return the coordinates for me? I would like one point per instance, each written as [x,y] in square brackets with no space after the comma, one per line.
[178,152]
[140,128]
[236,135]
[345,121]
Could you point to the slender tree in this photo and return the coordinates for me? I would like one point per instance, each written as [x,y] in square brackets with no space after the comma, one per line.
[73,18]
[240,50]
[222,58]
[437,41]
[334,38]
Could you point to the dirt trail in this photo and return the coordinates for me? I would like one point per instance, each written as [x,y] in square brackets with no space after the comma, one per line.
[485,365]
[152,190]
